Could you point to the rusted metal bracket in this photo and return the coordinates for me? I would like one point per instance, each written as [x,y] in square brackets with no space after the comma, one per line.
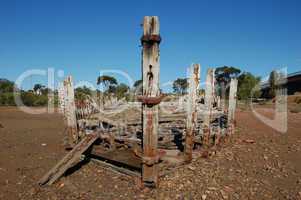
[206,136]
[150,160]
[150,39]
[150,101]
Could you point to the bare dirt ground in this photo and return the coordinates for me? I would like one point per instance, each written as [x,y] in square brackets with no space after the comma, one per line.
[258,163]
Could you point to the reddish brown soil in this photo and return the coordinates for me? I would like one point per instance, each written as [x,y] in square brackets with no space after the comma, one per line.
[258,163]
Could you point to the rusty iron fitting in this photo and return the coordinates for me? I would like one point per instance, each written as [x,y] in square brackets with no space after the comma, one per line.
[150,101]
[234,122]
[150,39]
[206,129]
[150,160]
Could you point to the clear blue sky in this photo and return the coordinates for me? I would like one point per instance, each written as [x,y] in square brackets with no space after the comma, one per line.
[83,37]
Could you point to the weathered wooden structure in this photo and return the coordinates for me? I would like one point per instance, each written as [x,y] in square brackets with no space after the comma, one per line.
[148,142]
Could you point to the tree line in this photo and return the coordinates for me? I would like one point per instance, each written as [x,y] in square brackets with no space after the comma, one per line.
[248,86]
[37,96]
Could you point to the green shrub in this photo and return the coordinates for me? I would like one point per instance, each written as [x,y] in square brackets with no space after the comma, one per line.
[7,99]
[28,98]
[40,100]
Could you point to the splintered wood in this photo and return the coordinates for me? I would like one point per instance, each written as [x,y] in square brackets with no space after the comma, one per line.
[85,108]
[191,122]
[150,76]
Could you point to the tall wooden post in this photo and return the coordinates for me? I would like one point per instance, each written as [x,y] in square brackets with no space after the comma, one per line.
[193,85]
[218,102]
[70,114]
[209,94]
[150,99]
[232,105]
[61,98]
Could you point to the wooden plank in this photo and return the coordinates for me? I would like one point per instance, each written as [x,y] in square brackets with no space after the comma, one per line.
[176,117]
[69,160]
[101,118]
[150,76]
[125,158]
[115,169]
[191,121]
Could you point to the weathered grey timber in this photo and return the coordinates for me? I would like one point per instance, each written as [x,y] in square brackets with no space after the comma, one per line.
[191,121]
[61,98]
[232,105]
[150,76]
[209,94]
[70,111]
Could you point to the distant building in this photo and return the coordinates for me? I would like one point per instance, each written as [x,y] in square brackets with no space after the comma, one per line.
[292,84]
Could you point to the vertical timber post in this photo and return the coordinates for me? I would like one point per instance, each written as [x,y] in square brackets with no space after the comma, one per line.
[232,105]
[150,76]
[222,96]
[219,127]
[72,133]
[218,102]
[193,85]
[61,97]
[209,94]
